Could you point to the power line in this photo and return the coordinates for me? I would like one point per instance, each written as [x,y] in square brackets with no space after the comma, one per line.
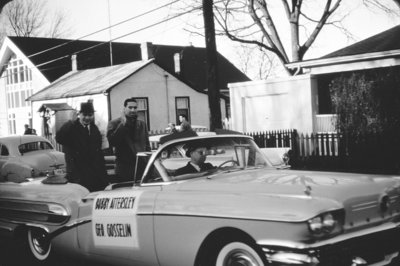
[103,43]
[106,28]
[122,36]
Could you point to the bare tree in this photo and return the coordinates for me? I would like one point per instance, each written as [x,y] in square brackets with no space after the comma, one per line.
[25,18]
[381,5]
[58,26]
[257,64]
[3,3]
[30,18]
[286,29]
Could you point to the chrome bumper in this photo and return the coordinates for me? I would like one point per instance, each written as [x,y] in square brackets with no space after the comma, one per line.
[375,246]
[6,230]
[287,258]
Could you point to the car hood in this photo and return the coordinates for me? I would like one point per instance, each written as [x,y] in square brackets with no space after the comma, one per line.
[42,160]
[261,194]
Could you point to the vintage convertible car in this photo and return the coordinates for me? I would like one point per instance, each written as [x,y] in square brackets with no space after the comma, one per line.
[241,211]
[27,156]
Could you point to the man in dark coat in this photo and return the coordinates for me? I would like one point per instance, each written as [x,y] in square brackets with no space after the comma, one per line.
[185,125]
[29,131]
[129,136]
[81,140]
[198,156]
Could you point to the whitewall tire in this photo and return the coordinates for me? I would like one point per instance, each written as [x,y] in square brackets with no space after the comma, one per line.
[238,253]
[39,246]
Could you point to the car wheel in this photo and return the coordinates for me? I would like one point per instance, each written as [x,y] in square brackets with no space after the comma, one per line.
[39,245]
[28,247]
[238,254]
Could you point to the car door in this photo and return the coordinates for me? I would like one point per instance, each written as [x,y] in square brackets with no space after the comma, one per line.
[121,229]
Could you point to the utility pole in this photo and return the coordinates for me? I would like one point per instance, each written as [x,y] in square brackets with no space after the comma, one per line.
[212,73]
[109,31]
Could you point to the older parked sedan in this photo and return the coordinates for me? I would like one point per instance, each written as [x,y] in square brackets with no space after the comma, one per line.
[28,156]
[239,210]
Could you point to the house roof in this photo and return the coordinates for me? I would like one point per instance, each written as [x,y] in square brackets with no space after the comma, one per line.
[55,107]
[384,41]
[56,62]
[383,46]
[88,81]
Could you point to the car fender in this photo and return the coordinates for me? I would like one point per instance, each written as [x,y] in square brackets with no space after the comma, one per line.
[15,172]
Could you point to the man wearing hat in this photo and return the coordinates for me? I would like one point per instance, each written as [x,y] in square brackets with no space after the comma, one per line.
[198,156]
[81,141]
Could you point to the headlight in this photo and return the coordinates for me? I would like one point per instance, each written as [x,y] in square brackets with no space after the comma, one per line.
[57,209]
[57,213]
[326,223]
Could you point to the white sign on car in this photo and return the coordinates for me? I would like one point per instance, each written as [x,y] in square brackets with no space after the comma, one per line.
[114,219]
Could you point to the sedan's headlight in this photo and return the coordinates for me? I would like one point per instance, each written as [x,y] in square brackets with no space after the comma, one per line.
[326,223]
[57,209]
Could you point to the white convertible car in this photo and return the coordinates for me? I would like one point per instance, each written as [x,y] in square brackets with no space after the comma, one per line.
[239,210]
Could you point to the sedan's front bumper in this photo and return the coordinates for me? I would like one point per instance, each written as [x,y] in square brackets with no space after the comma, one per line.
[7,230]
[379,245]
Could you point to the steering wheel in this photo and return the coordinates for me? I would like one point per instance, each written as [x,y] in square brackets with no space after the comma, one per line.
[228,161]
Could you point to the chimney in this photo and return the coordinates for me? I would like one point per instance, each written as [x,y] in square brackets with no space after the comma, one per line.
[74,63]
[147,50]
[177,63]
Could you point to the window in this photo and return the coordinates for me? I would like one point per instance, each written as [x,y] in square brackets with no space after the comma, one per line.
[143,111]
[17,101]
[23,97]
[12,128]
[12,100]
[29,73]
[34,146]
[8,77]
[8,100]
[182,107]
[17,72]
[21,74]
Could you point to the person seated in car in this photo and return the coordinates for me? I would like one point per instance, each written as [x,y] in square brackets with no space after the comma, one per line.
[198,156]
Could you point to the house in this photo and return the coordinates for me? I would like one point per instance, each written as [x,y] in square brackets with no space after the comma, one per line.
[32,64]
[160,95]
[303,102]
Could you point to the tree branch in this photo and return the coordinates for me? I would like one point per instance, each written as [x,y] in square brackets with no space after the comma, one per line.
[328,11]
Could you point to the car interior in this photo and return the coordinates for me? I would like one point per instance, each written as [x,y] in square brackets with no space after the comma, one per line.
[220,154]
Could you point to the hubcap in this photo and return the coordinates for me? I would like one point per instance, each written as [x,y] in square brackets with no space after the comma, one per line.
[39,242]
[240,258]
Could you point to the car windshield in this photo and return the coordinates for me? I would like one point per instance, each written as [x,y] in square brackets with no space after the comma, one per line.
[204,156]
[34,146]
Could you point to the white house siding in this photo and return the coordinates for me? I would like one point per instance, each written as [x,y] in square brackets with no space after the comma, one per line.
[22,113]
[287,103]
[161,89]
[3,108]
[100,105]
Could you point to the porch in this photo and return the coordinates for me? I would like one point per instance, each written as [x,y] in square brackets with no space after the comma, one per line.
[325,123]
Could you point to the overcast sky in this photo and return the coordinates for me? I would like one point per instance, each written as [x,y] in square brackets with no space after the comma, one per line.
[88,16]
